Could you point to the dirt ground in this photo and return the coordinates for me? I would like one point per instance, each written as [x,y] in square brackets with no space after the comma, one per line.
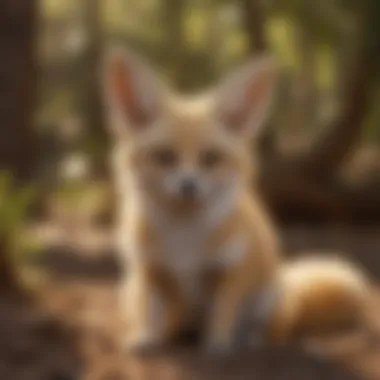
[70,332]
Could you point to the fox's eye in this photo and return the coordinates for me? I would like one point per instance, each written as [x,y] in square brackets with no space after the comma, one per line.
[165,157]
[211,158]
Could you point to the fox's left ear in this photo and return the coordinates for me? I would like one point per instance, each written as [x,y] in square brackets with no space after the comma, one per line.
[132,91]
[244,98]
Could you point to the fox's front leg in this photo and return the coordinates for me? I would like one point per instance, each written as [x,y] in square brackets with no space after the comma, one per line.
[144,312]
[152,313]
[232,290]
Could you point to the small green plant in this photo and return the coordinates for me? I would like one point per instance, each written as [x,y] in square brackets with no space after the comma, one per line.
[14,206]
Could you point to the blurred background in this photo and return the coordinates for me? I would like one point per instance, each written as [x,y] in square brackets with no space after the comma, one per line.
[320,156]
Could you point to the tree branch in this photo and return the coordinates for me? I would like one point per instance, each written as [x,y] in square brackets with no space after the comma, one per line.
[332,148]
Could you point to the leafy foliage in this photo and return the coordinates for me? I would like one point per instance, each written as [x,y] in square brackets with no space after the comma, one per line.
[14,207]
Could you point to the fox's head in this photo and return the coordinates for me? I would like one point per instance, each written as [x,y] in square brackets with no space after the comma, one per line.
[182,151]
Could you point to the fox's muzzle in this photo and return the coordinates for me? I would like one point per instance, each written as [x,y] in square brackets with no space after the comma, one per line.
[188,189]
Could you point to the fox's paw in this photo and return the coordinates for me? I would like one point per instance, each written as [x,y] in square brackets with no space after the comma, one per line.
[218,348]
[141,345]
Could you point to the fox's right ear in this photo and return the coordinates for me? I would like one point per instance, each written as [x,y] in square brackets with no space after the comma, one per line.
[132,91]
[245,97]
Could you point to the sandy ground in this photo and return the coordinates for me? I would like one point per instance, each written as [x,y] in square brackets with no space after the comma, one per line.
[72,330]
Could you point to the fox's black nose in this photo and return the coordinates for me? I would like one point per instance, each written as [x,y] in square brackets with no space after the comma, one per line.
[188,189]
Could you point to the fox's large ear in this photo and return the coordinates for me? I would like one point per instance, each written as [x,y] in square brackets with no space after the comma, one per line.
[132,90]
[244,97]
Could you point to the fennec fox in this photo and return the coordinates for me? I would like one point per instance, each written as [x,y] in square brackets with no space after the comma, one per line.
[183,170]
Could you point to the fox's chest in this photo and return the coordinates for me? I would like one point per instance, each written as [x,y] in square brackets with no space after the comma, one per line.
[181,250]
[188,255]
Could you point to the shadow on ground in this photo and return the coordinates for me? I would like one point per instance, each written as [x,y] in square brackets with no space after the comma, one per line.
[35,345]
[286,364]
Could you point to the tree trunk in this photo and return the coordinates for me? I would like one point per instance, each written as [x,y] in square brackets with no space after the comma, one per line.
[93,103]
[94,114]
[254,18]
[17,85]
[17,96]
[173,17]
[304,97]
